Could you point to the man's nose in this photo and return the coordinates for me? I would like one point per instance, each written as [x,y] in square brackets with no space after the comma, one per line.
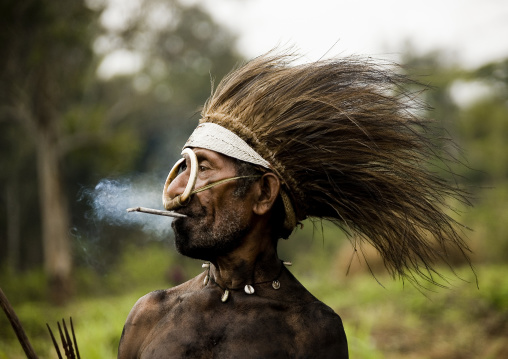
[177,186]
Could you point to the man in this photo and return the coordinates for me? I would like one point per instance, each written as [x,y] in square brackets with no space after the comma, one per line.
[278,143]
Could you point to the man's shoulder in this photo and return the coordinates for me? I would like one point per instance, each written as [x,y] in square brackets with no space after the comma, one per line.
[316,328]
[145,315]
[151,304]
[163,299]
[323,316]
[322,331]
[310,311]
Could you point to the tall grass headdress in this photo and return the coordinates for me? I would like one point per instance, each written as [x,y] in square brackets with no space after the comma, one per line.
[346,139]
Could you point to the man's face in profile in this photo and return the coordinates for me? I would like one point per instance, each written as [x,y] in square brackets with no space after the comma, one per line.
[217,219]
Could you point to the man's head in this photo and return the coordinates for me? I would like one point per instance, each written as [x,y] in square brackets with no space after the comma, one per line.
[220,217]
[345,140]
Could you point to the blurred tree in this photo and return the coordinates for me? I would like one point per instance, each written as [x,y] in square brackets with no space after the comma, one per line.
[437,71]
[45,51]
[77,127]
[479,123]
[178,49]
[472,107]
[483,124]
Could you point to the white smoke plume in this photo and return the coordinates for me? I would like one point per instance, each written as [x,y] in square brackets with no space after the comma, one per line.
[110,199]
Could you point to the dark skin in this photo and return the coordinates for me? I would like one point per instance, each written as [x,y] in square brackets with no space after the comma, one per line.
[191,321]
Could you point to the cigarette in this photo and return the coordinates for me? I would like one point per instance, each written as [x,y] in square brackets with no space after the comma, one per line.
[156,211]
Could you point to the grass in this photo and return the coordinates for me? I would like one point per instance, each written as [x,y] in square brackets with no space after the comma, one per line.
[462,321]
[389,321]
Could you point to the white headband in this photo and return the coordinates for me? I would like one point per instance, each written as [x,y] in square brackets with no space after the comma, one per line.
[219,139]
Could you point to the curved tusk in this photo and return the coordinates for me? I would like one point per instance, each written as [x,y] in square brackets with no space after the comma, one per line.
[171,176]
[182,199]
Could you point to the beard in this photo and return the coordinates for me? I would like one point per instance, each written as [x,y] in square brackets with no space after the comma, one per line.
[205,235]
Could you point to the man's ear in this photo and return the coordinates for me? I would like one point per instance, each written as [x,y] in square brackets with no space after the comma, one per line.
[268,187]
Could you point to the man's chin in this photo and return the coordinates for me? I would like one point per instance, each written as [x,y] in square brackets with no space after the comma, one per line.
[182,238]
[184,247]
[194,253]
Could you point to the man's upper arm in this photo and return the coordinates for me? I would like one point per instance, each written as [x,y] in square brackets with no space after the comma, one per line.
[336,341]
[328,335]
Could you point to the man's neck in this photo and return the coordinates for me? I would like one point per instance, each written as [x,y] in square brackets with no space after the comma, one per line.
[254,262]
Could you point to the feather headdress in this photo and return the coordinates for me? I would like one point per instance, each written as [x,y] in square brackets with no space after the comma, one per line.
[345,138]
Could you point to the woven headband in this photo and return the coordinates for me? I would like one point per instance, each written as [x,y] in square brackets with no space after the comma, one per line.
[219,139]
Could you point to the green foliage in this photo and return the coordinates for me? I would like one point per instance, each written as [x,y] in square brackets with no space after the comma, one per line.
[313,246]
[484,132]
[27,286]
[102,127]
[97,322]
[102,304]
[480,128]
[399,321]
[394,321]
[494,289]
[152,274]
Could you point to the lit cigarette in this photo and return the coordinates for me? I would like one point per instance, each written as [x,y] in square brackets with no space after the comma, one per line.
[156,211]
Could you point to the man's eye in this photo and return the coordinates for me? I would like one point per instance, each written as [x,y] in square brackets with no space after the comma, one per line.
[202,168]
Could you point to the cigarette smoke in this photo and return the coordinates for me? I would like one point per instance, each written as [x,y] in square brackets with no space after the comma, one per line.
[110,199]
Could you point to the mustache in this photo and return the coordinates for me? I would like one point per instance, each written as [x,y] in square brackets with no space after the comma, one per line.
[192,209]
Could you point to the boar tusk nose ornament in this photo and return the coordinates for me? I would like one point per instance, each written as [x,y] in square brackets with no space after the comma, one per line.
[182,199]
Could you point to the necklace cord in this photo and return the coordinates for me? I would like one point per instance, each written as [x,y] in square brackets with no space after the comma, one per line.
[208,186]
[253,284]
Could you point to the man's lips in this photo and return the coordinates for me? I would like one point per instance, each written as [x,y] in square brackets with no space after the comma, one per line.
[188,211]
[193,209]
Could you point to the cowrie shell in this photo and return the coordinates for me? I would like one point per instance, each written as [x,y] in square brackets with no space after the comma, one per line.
[225,296]
[249,289]
[275,284]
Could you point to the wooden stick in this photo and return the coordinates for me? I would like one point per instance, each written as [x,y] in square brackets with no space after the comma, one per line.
[65,346]
[69,351]
[16,325]
[75,342]
[156,211]
[57,348]
[68,341]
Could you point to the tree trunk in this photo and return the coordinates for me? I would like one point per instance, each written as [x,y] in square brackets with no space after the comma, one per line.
[54,216]
[13,226]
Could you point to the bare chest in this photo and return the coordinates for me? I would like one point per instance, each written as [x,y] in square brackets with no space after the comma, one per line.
[207,328]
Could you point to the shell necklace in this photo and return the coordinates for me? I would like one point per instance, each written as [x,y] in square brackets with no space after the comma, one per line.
[248,288]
